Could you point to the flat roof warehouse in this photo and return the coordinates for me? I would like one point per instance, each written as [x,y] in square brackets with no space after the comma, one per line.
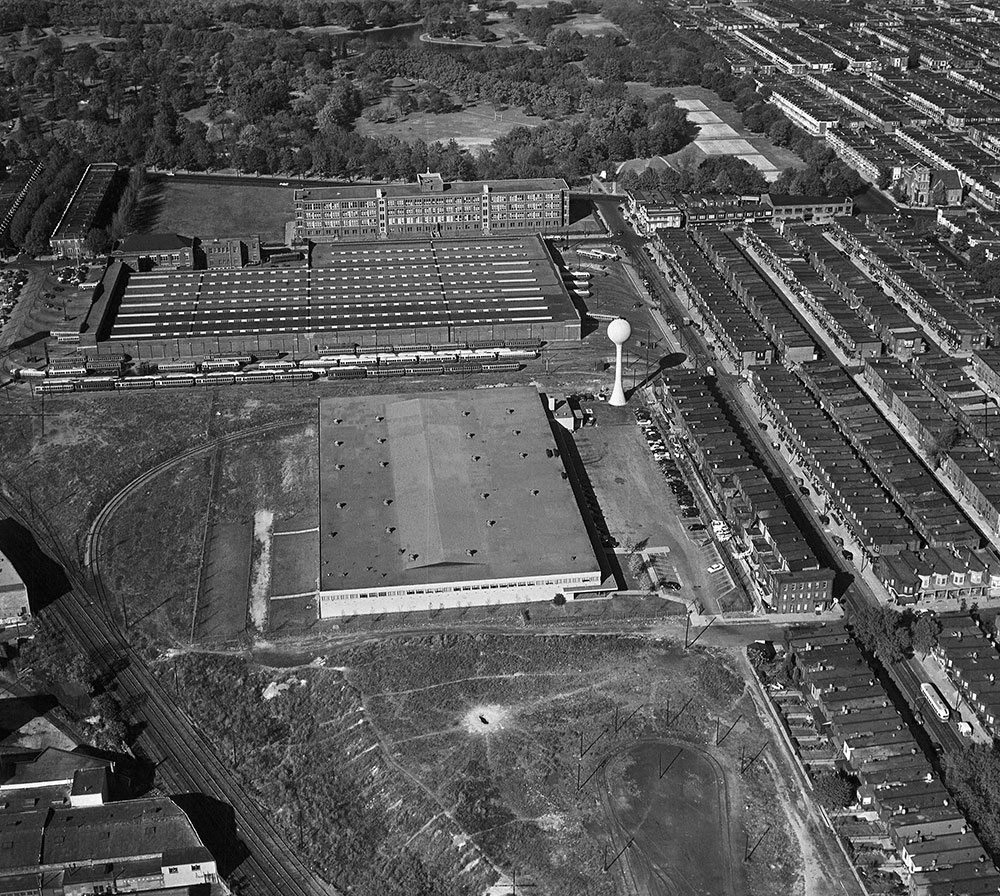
[443,497]
[456,289]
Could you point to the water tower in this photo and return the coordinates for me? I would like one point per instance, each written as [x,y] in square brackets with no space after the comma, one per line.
[619,331]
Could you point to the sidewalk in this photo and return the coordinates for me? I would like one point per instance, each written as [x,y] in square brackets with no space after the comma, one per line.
[927,669]
[864,570]
[913,443]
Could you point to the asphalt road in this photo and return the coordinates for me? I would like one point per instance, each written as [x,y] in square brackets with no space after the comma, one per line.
[284,183]
[855,593]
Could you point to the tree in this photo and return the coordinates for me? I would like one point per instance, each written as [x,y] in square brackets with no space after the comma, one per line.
[98,241]
[960,242]
[835,790]
[944,440]
[925,631]
[973,775]
[883,632]
[342,107]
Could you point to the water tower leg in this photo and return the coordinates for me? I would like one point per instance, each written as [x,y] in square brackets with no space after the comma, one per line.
[618,394]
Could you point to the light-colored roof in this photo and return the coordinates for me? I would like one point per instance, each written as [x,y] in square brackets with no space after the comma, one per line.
[9,579]
[52,766]
[444,487]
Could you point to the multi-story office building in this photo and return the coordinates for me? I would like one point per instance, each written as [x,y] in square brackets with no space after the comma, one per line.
[432,207]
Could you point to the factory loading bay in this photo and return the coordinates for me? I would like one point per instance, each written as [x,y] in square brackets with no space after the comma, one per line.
[642,515]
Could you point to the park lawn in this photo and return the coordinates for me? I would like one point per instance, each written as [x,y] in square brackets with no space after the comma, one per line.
[589,23]
[209,210]
[473,126]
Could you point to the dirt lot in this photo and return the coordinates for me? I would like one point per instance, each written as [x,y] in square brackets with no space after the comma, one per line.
[460,755]
[672,798]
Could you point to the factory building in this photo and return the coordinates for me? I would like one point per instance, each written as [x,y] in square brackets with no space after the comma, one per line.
[431,207]
[436,500]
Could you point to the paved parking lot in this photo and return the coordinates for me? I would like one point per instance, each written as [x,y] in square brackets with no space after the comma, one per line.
[639,507]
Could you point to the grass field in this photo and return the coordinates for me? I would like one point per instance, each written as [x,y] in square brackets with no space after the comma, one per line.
[458,756]
[222,598]
[589,24]
[152,553]
[471,127]
[209,210]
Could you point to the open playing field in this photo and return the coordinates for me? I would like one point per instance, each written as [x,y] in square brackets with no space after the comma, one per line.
[471,127]
[673,799]
[698,98]
[210,210]
[467,757]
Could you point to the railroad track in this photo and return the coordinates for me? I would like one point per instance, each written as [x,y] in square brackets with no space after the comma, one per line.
[186,761]
[92,542]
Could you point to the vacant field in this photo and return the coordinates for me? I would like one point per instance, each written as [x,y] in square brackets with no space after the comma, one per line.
[210,210]
[672,798]
[471,127]
[150,554]
[455,759]
[225,579]
[274,471]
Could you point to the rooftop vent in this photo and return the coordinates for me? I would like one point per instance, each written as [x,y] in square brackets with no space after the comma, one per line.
[387,501]
[339,466]
[466,413]
[339,442]
[470,435]
[524,454]
[383,463]
[534,492]
[341,505]
[491,523]
[389,530]
[484,495]
[471,552]
[476,457]
[379,418]
[413,557]
[381,440]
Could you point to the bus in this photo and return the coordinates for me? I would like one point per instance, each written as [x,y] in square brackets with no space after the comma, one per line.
[935,700]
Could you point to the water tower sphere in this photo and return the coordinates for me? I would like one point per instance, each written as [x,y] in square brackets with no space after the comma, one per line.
[619,331]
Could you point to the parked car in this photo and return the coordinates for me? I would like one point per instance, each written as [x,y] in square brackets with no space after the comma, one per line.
[696,527]
[847,555]
[689,513]
[717,567]
[672,586]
